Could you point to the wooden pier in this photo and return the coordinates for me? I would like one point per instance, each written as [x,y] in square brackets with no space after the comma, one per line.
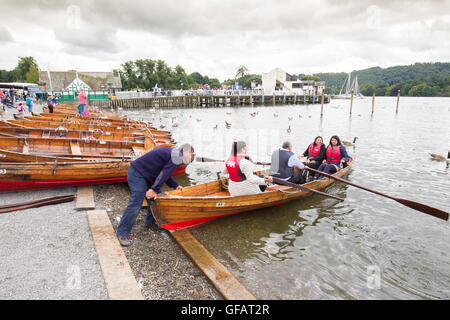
[211,101]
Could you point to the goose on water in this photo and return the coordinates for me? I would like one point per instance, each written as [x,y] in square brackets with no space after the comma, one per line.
[348,143]
[438,157]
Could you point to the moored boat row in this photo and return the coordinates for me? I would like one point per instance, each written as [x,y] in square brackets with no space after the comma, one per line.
[63,149]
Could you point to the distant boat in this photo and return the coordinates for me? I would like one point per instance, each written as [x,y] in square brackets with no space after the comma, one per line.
[349,86]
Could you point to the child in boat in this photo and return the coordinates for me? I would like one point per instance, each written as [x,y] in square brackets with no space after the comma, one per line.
[240,169]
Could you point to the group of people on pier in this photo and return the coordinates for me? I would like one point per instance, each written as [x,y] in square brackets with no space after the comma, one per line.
[150,172]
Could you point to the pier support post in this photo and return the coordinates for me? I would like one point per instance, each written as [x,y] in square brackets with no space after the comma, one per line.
[373,102]
[351,102]
[321,108]
[398,100]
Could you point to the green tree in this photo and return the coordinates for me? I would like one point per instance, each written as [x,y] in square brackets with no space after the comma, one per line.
[241,73]
[368,89]
[32,75]
[23,67]
[310,77]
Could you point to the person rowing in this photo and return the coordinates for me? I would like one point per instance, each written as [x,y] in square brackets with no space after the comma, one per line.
[284,162]
[240,168]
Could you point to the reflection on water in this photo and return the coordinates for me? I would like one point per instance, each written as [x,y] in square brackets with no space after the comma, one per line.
[319,248]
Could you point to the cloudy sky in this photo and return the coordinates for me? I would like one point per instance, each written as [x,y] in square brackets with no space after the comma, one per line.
[215,37]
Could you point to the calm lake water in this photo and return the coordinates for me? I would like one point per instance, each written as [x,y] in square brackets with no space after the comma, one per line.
[367,247]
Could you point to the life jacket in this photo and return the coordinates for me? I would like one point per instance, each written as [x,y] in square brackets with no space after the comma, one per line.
[313,150]
[234,171]
[334,154]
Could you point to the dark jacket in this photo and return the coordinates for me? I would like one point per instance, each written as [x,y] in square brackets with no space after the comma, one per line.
[319,158]
[157,167]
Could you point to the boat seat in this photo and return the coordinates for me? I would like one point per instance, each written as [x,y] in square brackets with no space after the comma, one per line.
[75,148]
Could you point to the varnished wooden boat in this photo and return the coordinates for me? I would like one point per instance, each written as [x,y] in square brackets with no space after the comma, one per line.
[50,133]
[157,135]
[93,111]
[91,119]
[200,203]
[74,147]
[46,175]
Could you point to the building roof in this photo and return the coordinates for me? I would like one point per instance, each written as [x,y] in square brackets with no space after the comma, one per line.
[60,80]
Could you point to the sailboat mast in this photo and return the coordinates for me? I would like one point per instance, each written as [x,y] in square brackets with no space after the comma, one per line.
[347,89]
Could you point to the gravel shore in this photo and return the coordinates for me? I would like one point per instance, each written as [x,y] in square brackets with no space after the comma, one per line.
[48,252]
[159,264]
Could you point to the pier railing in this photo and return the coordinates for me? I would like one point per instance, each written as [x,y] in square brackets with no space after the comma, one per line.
[178,93]
[213,100]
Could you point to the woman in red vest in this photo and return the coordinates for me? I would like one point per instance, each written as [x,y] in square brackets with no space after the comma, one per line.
[335,154]
[315,153]
[242,181]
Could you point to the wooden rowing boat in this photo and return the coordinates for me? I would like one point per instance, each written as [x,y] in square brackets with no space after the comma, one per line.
[74,146]
[198,204]
[157,135]
[59,174]
[95,120]
[93,111]
[58,133]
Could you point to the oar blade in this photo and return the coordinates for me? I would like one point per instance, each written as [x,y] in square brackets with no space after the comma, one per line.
[424,208]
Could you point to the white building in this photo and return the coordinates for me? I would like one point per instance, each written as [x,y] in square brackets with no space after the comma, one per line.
[278,80]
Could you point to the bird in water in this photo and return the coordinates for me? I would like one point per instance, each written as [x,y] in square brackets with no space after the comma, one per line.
[438,157]
[216,126]
[299,115]
[348,143]
[227,125]
[289,129]
[198,120]
[252,114]
[275,115]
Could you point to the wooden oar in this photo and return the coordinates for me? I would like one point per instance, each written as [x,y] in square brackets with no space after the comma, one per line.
[290,184]
[411,204]
[204,159]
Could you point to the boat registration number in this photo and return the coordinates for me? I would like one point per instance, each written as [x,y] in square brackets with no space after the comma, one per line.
[220,204]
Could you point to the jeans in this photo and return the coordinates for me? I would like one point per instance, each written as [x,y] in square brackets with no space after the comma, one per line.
[82,107]
[138,187]
[327,168]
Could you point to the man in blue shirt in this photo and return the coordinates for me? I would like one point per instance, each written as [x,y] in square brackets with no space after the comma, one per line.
[283,165]
[146,176]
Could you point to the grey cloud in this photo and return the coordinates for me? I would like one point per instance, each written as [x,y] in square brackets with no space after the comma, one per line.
[5,35]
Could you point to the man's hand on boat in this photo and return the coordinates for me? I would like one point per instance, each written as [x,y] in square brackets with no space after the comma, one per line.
[150,194]
[268,179]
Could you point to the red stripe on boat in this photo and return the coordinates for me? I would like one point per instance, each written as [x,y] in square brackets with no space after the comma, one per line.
[195,222]
[12,186]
